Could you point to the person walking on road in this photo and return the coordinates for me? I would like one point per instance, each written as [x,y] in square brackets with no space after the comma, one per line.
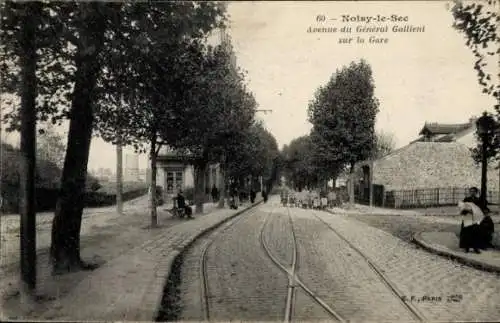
[252,195]
[215,194]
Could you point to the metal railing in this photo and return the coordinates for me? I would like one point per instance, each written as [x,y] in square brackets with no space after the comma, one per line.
[432,197]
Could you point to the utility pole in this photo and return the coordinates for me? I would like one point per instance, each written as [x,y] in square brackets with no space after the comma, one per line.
[119,177]
[265,111]
[28,150]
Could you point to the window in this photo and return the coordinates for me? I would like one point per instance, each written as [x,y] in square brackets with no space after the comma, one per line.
[170,182]
[178,180]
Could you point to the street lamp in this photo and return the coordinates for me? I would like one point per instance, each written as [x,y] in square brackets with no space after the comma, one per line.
[485,126]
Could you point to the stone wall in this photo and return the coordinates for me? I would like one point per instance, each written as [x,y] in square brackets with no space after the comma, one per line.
[425,165]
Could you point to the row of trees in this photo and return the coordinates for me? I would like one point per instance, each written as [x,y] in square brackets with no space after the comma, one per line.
[256,154]
[342,114]
[137,74]
[300,166]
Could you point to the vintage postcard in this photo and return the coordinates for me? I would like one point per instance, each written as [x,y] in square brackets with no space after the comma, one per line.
[250,161]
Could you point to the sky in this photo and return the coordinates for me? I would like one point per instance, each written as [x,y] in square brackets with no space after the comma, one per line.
[419,76]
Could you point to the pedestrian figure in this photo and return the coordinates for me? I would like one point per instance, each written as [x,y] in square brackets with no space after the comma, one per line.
[486,229]
[252,195]
[264,195]
[474,198]
[331,198]
[478,235]
[215,194]
[233,204]
[181,203]
[324,203]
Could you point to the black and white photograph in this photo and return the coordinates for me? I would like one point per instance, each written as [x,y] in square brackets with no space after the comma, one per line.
[256,161]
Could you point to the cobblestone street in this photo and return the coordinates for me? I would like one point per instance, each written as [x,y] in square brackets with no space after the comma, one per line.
[345,270]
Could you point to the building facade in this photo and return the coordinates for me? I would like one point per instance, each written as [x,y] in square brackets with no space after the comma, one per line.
[175,172]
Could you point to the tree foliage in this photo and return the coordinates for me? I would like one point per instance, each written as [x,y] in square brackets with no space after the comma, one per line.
[343,117]
[299,168]
[478,22]
[254,155]
[217,109]
[59,42]
[491,140]
[51,146]
[154,53]
[157,58]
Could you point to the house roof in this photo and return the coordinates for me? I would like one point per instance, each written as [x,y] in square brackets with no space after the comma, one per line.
[168,154]
[446,138]
[444,129]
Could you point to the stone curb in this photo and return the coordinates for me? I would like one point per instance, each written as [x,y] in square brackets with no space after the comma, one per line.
[186,246]
[433,248]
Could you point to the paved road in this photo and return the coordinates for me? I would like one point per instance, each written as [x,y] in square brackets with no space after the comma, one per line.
[275,263]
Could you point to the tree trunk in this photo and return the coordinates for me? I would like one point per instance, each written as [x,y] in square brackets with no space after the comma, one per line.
[65,247]
[152,190]
[28,148]
[199,185]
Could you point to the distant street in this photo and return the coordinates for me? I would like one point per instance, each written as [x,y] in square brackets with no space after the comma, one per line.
[276,263]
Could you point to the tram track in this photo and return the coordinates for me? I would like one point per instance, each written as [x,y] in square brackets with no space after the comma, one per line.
[291,270]
[293,279]
[204,289]
[391,286]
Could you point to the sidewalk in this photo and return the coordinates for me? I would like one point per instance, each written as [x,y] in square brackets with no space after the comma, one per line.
[129,285]
[448,215]
[446,244]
